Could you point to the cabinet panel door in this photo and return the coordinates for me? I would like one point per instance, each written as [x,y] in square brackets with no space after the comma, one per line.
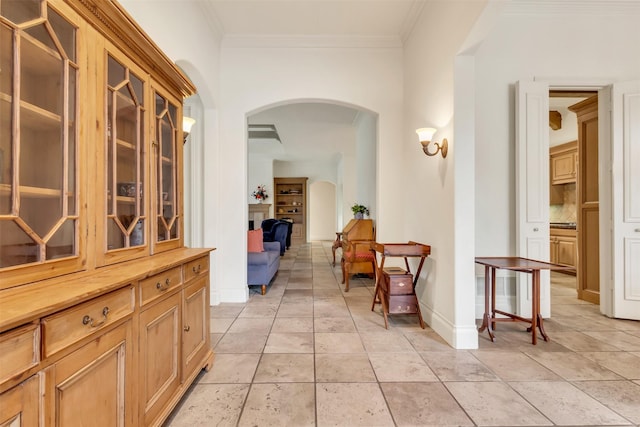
[159,355]
[563,168]
[195,335]
[19,405]
[40,205]
[167,225]
[566,251]
[89,386]
[123,202]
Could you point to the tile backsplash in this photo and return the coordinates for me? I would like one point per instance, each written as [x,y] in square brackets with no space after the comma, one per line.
[566,212]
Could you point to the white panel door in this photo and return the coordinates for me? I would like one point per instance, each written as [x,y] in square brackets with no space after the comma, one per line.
[625,200]
[532,189]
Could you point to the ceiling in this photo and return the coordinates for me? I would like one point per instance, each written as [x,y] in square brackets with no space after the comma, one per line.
[354,18]
[308,131]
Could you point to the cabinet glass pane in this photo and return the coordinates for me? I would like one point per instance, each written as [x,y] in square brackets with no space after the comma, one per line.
[20,11]
[6,91]
[38,174]
[167,139]
[125,158]
[64,32]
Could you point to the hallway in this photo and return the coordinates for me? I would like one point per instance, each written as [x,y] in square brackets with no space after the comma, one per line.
[309,354]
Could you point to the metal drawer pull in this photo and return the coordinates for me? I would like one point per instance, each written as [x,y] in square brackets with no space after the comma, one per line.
[88,320]
[161,287]
[196,269]
[187,328]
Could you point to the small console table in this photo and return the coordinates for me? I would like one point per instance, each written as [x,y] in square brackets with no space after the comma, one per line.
[396,287]
[524,265]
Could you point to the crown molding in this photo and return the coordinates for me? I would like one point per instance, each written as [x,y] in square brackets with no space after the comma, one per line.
[573,7]
[212,19]
[410,21]
[305,41]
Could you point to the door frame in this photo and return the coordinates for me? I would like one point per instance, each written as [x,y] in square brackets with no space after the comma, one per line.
[604,140]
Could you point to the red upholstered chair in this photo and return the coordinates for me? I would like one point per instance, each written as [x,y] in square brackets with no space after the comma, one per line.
[357,257]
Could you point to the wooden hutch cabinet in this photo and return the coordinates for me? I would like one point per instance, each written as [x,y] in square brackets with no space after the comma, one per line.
[104,314]
[291,205]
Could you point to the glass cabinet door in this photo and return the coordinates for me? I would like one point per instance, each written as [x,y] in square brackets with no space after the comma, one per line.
[125,162]
[167,149]
[39,200]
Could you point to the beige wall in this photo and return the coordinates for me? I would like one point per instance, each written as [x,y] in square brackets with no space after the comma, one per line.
[322,211]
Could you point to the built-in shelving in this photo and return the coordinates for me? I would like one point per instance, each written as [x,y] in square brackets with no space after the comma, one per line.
[291,204]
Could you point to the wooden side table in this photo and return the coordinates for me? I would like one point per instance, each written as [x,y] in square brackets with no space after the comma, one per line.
[396,287]
[524,265]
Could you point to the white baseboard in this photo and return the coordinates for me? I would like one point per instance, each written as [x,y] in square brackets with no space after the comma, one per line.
[230,295]
[464,337]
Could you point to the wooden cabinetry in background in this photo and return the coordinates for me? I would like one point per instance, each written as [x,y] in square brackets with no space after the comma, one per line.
[103,311]
[564,248]
[564,163]
[588,204]
[291,203]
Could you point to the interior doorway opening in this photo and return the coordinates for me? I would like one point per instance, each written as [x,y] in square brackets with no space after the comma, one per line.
[573,195]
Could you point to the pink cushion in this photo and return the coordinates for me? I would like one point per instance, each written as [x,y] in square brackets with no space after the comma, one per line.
[254,241]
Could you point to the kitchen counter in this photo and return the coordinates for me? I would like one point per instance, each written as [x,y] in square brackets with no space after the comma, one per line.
[563,225]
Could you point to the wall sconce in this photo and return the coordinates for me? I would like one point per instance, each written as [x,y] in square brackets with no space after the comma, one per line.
[187,124]
[425,135]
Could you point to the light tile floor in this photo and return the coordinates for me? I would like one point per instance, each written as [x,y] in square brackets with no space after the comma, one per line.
[308,354]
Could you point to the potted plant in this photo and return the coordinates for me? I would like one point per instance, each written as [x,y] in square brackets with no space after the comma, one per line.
[359,211]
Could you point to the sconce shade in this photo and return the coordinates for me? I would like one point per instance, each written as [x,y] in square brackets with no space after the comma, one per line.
[187,123]
[425,134]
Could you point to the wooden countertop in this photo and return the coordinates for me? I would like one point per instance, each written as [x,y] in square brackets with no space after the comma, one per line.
[26,303]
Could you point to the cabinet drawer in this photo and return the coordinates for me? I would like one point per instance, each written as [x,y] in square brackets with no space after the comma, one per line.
[156,286]
[399,285]
[196,268]
[69,326]
[403,304]
[19,351]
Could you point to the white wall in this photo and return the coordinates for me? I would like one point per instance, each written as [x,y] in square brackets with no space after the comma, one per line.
[322,211]
[548,43]
[429,183]
[260,172]
[365,165]
[256,77]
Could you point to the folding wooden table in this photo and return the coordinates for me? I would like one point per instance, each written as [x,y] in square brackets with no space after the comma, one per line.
[395,287]
[525,265]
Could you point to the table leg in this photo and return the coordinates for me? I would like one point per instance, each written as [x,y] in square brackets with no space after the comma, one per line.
[493,298]
[486,321]
[376,291]
[539,319]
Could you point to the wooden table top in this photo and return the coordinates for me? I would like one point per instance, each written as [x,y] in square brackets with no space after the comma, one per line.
[410,249]
[520,264]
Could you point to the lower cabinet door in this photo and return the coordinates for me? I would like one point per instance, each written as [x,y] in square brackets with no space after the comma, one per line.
[195,325]
[159,356]
[19,406]
[89,387]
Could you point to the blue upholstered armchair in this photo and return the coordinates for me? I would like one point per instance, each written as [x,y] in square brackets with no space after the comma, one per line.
[275,232]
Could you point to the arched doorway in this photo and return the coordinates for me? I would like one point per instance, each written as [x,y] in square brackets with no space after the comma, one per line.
[324,141]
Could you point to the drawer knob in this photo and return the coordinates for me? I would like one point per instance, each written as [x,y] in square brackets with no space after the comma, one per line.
[187,328]
[165,286]
[88,320]
[196,269]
